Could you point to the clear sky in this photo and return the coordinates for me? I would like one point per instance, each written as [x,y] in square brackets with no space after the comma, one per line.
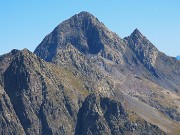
[24,23]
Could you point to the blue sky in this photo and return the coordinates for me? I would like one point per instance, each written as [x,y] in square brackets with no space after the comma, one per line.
[24,24]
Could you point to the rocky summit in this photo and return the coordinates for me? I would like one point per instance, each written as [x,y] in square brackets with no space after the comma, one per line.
[84,79]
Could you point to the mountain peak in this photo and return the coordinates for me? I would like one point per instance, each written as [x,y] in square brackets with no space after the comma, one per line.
[136,33]
[145,51]
[84,17]
[25,50]
[83,31]
[85,14]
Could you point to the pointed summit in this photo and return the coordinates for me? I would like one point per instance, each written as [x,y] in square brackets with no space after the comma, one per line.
[145,51]
[137,39]
[136,30]
[85,14]
[81,20]
[82,31]
[136,33]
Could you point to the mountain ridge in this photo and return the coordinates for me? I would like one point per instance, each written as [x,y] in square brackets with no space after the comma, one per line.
[122,52]
[33,96]
[83,76]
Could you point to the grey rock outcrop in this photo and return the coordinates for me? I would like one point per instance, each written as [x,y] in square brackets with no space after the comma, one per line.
[40,97]
[100,115]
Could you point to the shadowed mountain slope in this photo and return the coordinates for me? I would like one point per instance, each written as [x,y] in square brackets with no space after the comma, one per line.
[42,94]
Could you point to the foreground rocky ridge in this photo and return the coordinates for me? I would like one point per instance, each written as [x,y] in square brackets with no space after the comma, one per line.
[41,95]
[40,98]
[85,79]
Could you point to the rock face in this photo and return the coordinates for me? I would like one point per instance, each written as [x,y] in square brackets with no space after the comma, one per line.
[165,69]
[85,79]
[10,123]
[82,31]
[69,45]
[43,97]
[144,50]
[80,43]
[99,115]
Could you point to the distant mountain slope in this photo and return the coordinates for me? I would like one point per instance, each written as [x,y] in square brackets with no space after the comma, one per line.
[145,51]
[164,68]
[178,57]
